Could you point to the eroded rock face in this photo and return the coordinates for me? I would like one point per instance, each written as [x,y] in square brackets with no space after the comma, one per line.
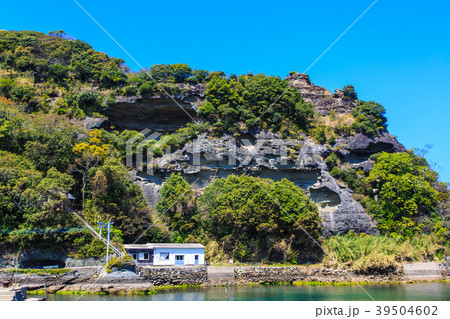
[357,149]
[161,114]
[340,211]
[202,161]
[363,144]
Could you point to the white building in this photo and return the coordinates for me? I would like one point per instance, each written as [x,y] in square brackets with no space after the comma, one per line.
[167,254]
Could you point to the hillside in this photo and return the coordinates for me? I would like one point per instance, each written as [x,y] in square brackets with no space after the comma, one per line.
[244,164]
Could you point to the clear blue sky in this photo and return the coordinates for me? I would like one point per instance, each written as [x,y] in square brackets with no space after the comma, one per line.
[398,54]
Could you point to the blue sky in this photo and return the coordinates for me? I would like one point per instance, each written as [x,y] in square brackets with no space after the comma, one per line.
[398,54]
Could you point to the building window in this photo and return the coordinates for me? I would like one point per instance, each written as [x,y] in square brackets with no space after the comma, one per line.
[144,256]
[134,255]
[163,256]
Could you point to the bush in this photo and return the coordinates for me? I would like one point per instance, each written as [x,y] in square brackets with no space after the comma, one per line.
[320,135]
[112,78]
[332,160]
[192,80]
[168,89]
[129,90]
[148,89]
[22,93]
[370,118]
[90,102]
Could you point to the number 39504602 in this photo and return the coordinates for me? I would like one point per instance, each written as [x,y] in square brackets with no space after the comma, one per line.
[404,310]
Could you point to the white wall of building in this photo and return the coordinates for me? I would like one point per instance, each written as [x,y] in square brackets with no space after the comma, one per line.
[188,253]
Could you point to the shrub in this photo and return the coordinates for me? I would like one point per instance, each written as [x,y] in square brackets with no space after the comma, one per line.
[129,90]
[22,93]
[370,118]
[148,89]
[90,101]
[332,160]
[320,135]
[251,217]
[168,89]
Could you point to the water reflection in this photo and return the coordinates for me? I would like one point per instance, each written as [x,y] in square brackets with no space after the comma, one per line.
[406,292]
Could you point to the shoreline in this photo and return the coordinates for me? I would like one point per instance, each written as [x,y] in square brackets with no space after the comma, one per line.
[151,280]
[157,289]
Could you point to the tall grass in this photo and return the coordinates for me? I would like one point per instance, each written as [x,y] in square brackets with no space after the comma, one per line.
[368,254]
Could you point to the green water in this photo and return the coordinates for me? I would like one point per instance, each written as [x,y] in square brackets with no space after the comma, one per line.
[405,292]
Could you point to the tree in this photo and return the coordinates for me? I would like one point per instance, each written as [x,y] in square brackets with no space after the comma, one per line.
[403,183]
[89,155]
[178,204]
[370,118]
[112,79]
[349,92]
[263,215]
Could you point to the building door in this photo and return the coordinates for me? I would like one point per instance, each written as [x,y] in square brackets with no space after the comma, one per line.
[196,260]
[179,260]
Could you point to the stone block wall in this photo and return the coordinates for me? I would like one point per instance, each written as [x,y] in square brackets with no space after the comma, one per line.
[245,275]
[175,275]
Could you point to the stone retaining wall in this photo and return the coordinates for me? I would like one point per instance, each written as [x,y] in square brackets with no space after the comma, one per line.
[244,275]
[174,275]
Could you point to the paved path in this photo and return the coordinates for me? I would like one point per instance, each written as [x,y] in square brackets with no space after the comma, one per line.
[422,271]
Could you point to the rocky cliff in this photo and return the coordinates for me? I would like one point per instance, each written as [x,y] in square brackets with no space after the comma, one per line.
[257,153]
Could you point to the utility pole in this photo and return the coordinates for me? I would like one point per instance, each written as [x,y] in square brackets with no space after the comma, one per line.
[108,227]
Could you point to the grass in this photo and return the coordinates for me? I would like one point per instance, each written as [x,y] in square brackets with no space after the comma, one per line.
[39,271]
[375,254]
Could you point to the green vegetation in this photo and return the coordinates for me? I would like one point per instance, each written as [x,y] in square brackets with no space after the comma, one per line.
[48,83]
[404,184]
[380,254]
[369,118]
[349,92]
[42,160]
[254,100]
[253,219]
[39,271]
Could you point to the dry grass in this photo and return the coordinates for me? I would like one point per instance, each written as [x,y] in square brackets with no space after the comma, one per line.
[380,253]
[339,120]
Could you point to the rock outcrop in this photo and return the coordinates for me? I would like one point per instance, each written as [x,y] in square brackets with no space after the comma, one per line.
[322,99]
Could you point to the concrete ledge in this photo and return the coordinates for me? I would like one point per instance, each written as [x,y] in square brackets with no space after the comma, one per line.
[422,271]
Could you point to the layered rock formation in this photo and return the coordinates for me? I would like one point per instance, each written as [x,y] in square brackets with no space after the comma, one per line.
[257,153]
[161,114]
[158,113]
[267,156]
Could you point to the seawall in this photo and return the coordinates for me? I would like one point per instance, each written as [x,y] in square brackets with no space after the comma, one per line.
[211,276]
